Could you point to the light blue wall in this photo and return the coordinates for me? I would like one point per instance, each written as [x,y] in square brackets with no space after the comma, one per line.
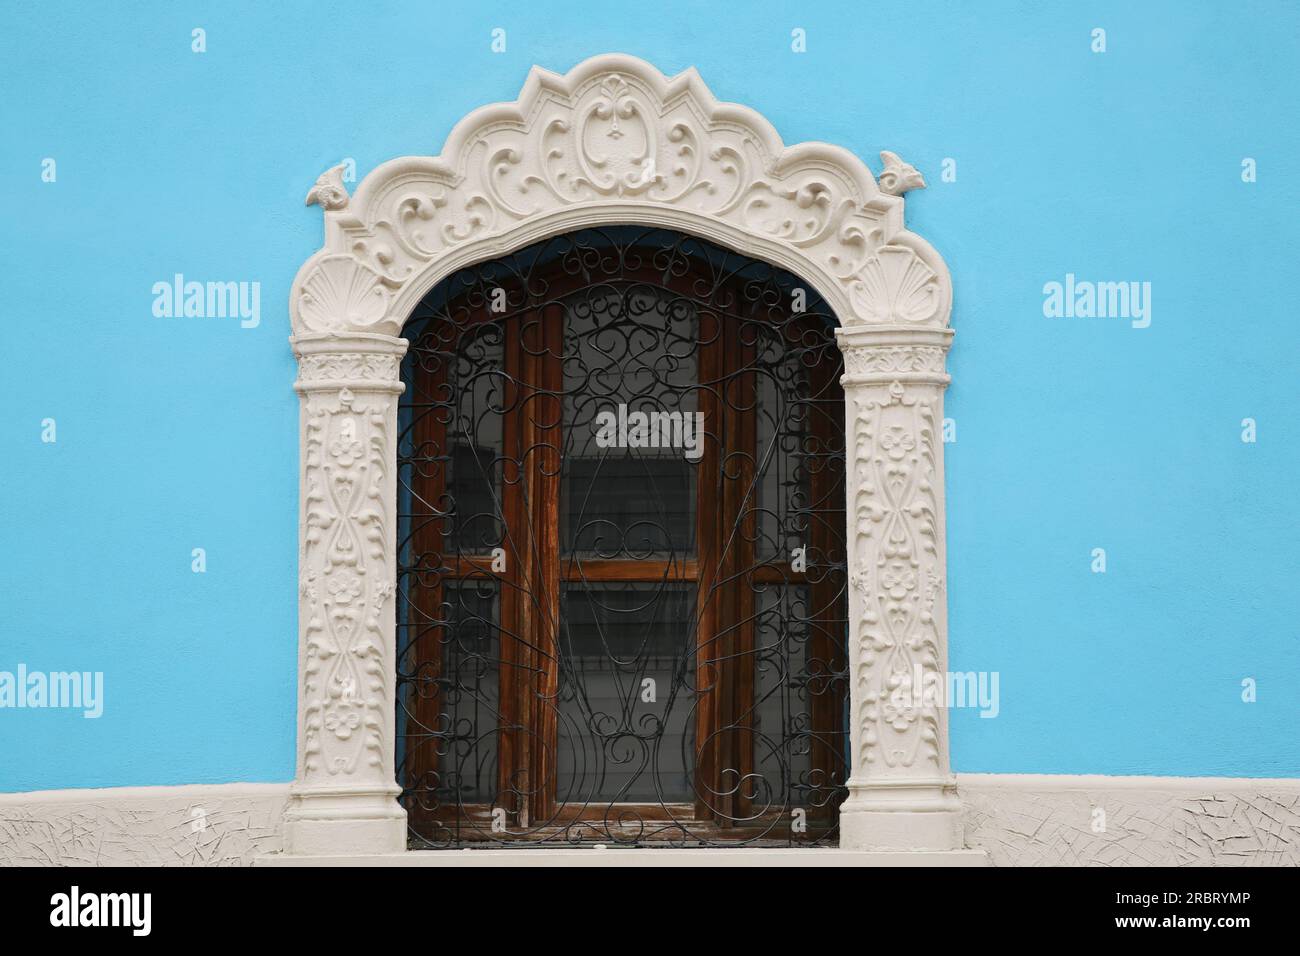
[1072,434]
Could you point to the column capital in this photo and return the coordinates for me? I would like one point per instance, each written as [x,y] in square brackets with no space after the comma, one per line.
[357,360]
[882,355]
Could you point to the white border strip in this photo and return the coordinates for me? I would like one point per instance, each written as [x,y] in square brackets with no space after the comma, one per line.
[1052,781]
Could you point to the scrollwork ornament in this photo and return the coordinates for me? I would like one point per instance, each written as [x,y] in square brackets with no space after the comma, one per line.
[348,366]
[616,136]
[895,358]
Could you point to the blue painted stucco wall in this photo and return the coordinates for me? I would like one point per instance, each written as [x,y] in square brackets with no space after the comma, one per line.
[1072,434]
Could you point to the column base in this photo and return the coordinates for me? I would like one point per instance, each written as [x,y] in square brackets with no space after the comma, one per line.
[334,822]
[901,816]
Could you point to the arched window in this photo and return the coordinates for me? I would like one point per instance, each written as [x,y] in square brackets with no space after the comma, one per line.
[622,610]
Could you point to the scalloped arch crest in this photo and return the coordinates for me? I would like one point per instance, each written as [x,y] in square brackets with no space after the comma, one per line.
[615,141]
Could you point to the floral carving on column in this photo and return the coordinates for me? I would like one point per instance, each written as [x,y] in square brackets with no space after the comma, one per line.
[346,582]
[349,386]
[901,790]
[898,576]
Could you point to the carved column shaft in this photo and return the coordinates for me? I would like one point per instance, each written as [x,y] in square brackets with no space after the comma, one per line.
[343,797]
[902,795]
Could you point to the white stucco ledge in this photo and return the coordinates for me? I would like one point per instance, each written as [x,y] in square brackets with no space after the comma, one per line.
[1017,819]
[642,857]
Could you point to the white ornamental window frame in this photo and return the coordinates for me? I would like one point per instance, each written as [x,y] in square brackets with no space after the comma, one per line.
[614,141]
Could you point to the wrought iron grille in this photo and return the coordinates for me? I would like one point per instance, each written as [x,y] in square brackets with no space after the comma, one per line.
[622,612]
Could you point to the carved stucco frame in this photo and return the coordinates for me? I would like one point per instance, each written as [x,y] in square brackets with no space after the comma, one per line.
[615,141]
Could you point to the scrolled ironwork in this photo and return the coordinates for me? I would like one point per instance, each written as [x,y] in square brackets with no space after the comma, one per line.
[612,628]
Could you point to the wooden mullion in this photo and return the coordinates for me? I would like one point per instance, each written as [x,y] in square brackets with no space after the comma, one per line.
[545,338]
[514,741]
[708,613]
[740,515]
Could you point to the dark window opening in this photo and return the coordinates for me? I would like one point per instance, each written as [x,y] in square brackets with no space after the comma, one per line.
[622,607]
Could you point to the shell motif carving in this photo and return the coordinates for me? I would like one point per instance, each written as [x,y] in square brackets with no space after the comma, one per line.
[896,287]
[341,293]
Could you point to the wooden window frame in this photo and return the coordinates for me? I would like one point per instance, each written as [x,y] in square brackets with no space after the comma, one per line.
[723,571]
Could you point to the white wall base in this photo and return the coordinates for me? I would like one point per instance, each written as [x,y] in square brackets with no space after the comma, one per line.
[1013,819]
[200,825]
[1051,820]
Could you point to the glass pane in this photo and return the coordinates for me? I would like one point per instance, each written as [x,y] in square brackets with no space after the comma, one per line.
[632,434]
[468,683]
[629,507]
[471,657]
[448,665]
[783,715]
[626,714]
[476,392]
[799,731]
[474,487]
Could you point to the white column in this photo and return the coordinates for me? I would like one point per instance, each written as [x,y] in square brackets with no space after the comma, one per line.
[343,795]
[902,795]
